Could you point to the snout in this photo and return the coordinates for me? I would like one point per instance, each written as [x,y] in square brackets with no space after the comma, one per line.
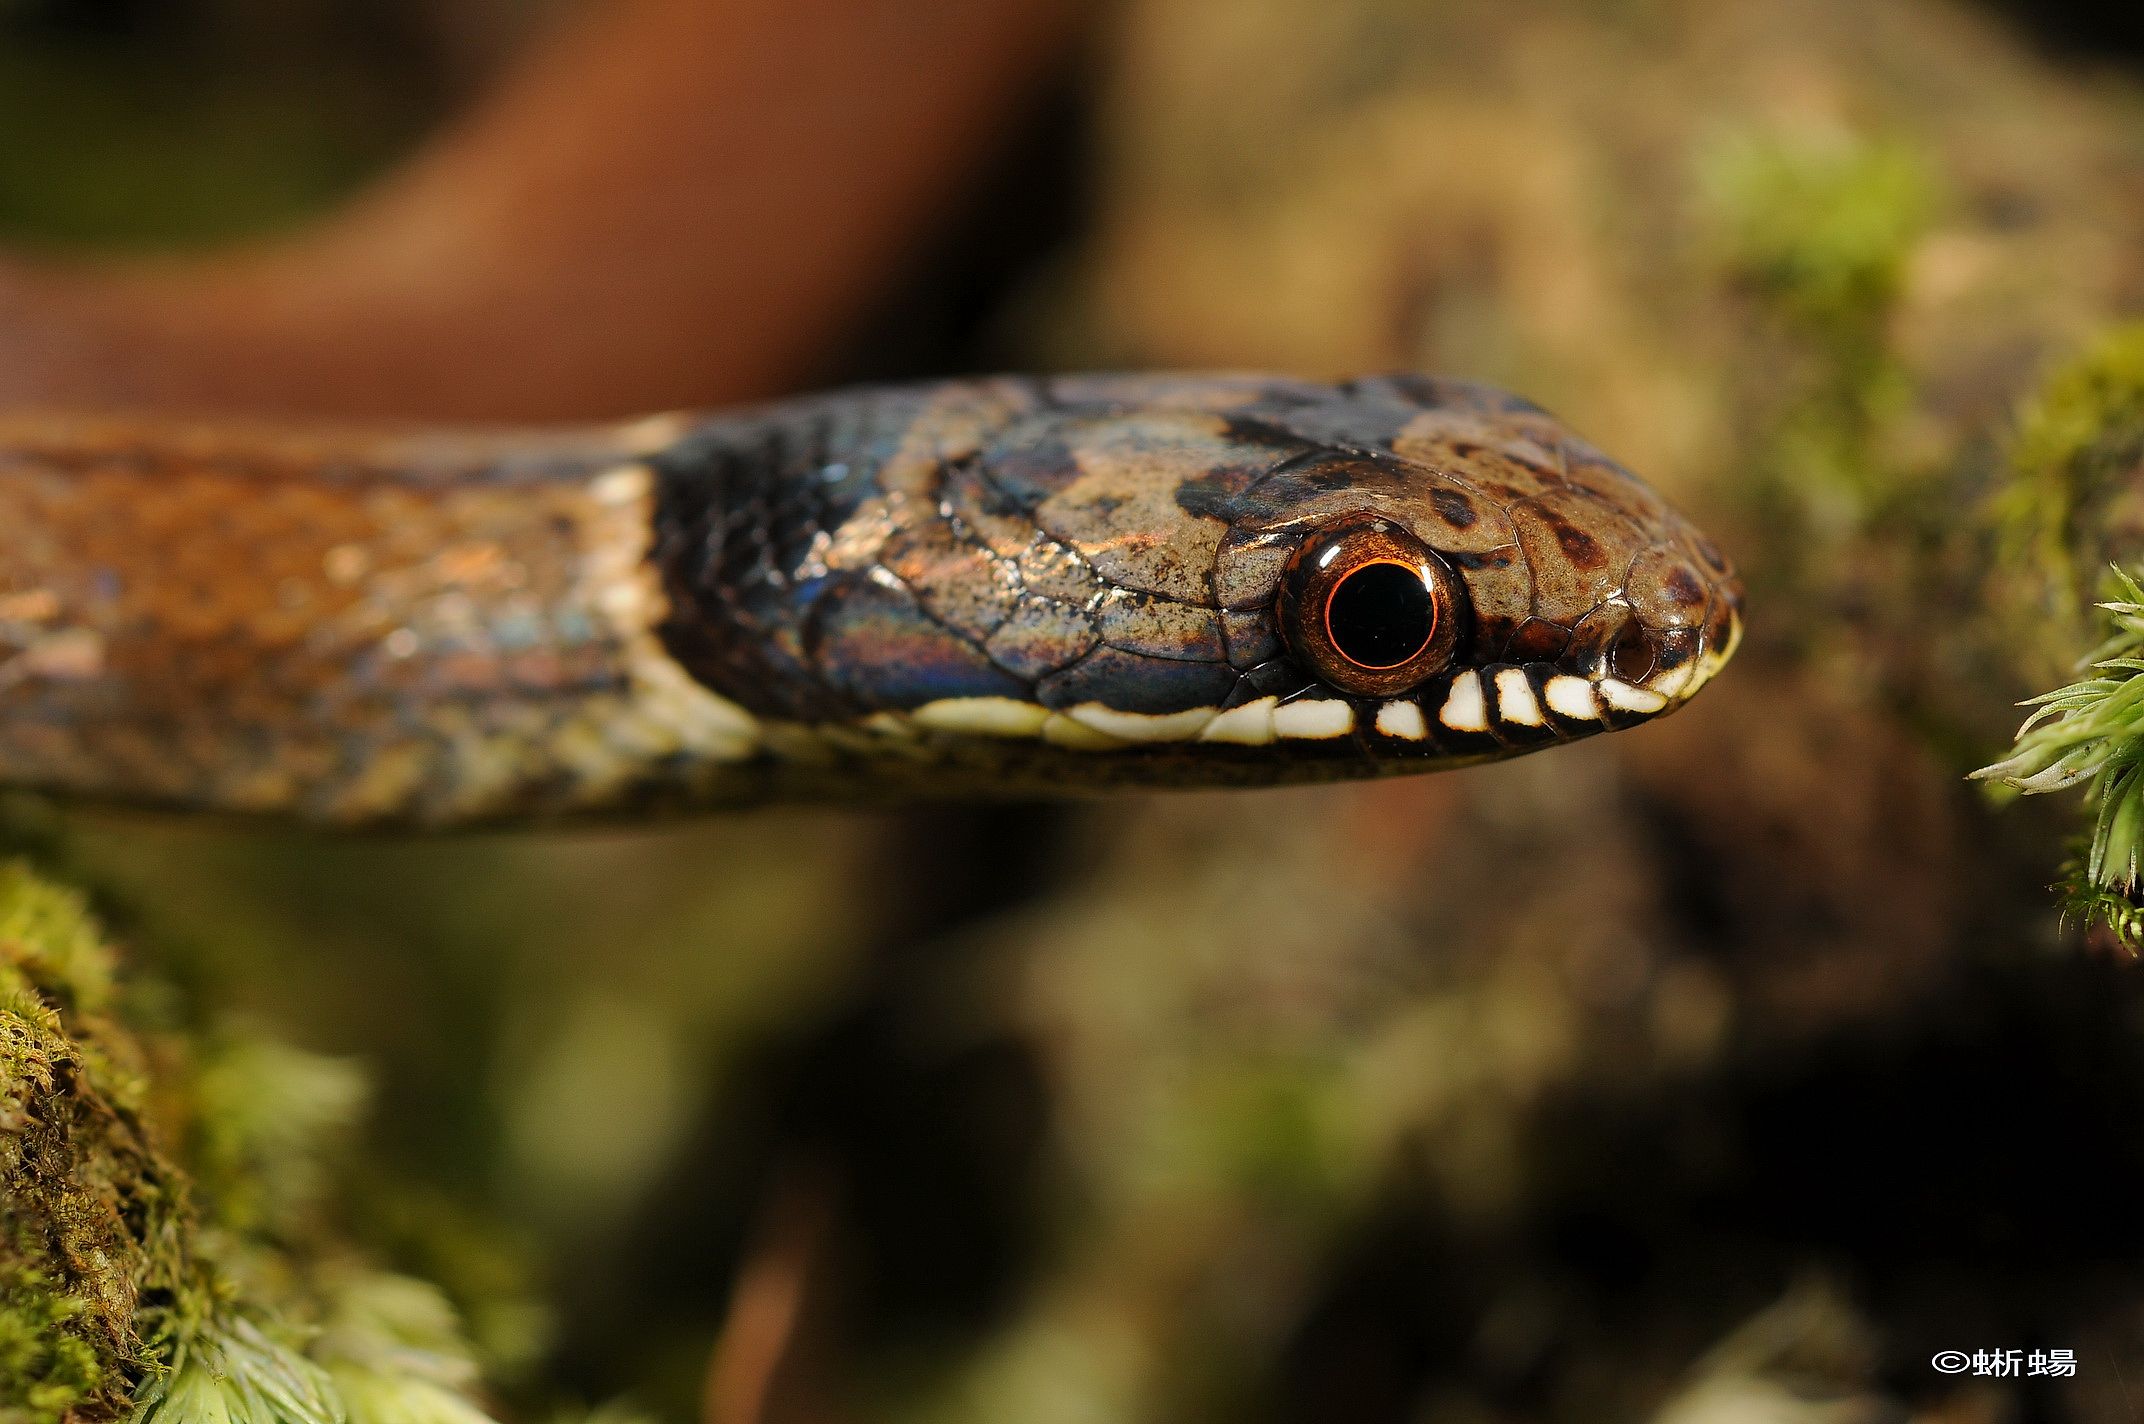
[1666,632]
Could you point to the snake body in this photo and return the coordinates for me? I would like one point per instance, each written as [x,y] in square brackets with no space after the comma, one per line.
[1002,585]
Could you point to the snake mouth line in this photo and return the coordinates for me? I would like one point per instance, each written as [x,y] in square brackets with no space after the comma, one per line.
[1520,705]
[1472,711]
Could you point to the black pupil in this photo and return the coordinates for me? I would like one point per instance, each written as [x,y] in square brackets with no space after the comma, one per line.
[1381,615]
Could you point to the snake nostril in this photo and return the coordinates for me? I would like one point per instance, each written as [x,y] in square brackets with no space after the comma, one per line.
[1632,655]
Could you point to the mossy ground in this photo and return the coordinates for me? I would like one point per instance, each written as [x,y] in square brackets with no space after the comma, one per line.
[168,1240]
[91,1214]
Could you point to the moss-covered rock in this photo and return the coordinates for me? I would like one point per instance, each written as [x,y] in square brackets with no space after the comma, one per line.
[2075,504]
[90,1212]
[170,1244]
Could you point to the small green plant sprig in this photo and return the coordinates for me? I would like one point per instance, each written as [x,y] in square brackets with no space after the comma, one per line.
[2092,732]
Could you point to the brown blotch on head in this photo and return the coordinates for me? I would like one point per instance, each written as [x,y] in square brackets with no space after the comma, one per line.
[1668,591]
[1453,508]
[1581,548]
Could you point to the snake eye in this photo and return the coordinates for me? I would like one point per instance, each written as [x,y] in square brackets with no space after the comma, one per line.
[1369,607]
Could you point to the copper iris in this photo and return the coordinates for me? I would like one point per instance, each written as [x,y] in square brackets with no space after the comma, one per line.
[1370,608]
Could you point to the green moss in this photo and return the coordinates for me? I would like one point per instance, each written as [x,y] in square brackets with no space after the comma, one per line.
[170,1248]
[51,944]
[48,1370]
[394,1350]
[236,1373]
[1815,233]
[90,1213]
[2071,514]
[2091,733]
[1821,227]
[263,1111]
[2073,503]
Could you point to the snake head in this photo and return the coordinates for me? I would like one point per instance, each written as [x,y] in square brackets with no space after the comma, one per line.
[1461,578]
[1152,579]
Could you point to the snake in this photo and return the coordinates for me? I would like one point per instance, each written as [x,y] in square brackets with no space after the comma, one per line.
[1005,586]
